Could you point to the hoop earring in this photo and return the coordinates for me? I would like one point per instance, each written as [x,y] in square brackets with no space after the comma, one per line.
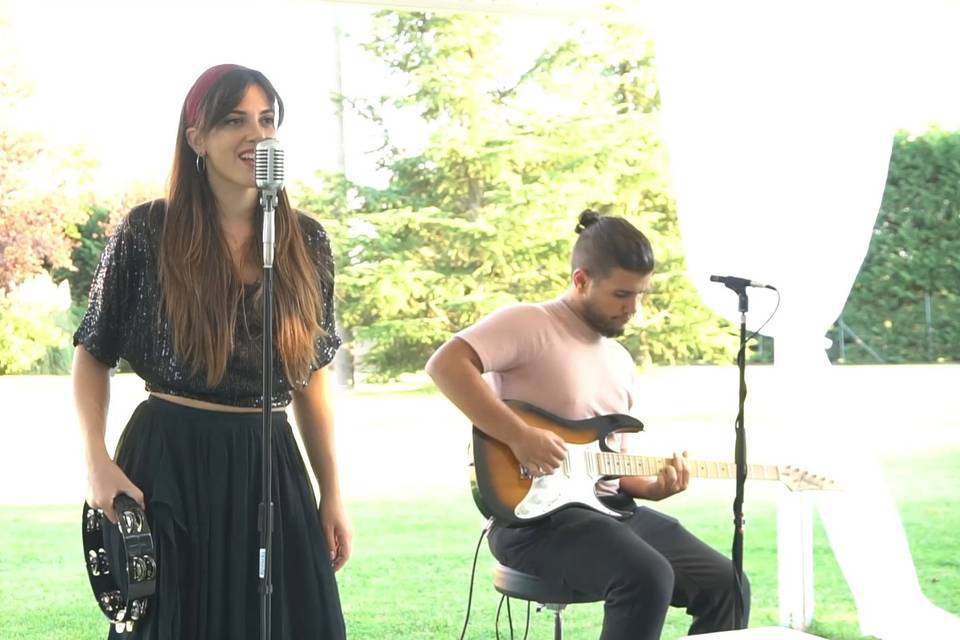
[201,164]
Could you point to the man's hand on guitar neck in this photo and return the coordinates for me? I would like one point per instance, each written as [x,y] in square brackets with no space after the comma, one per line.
[538,450]
[673,478]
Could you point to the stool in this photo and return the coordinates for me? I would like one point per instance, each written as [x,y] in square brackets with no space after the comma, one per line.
[550,595]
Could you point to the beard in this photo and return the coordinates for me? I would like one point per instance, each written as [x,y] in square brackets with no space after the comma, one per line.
[604,325]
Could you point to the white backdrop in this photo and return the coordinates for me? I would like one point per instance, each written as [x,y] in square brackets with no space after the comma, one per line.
[779,119]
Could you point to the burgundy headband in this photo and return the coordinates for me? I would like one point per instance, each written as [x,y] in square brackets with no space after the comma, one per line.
[200,88]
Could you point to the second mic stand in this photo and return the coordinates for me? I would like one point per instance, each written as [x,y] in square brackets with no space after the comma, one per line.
[740,459]
[265,513]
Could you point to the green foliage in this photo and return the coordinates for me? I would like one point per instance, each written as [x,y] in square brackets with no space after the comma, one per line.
[37,225]
[92,238]
[58,358]
[483,215]
[31,323]
[38,214]
[906,301]
[42,202]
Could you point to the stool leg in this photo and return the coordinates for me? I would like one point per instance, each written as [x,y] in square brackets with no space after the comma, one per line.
[558,625]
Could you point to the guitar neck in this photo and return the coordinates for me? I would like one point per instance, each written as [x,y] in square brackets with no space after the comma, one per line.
[619,464]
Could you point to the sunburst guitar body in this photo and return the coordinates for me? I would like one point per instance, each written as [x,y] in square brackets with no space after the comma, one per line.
[502,487]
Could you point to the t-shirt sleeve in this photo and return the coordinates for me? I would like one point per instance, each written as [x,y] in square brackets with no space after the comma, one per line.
[101,331]
[507,338]
[326,345]
[631,377]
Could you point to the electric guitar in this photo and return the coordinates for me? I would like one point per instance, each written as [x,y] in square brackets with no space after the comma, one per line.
[503,488]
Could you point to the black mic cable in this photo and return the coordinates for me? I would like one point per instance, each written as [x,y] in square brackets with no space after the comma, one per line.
[496,623]
[473,574]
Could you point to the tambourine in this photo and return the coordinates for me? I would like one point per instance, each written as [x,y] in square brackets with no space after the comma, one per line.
[121,561]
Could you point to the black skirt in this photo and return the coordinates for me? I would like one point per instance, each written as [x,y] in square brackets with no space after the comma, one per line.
[199,471]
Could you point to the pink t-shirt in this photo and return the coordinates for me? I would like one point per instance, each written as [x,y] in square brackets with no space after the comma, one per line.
[546,355]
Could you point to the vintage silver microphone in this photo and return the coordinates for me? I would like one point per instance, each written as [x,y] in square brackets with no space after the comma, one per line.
[269,173]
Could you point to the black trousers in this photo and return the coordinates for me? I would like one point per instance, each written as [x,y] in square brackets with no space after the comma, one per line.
[638,566]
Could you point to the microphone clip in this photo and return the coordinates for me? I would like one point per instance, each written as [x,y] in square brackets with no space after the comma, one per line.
[739,286]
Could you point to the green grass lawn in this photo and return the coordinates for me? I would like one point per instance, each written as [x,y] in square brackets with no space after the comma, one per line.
[410,572]
[411,567]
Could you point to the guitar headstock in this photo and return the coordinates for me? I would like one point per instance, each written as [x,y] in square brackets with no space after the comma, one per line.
[802,480]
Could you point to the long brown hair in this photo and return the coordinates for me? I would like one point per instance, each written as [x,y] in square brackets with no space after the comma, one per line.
[201,289]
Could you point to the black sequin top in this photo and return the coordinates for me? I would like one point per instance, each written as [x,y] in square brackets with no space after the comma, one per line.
[123,319]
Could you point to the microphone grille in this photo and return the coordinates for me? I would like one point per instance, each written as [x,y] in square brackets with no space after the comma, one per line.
[269,164]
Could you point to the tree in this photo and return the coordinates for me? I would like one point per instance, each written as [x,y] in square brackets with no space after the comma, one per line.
[102,215]
[905,303]
[31,323]
[37,229]
[37,225]
[483,215]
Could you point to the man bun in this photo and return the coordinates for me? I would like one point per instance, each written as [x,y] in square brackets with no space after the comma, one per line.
[608,242]
[587,218]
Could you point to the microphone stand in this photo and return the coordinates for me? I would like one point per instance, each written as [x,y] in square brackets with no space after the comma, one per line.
[740,459]
[268,200]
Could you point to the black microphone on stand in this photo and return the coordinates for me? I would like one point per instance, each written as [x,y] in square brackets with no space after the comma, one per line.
[735,283]
[739,286]
[269,174]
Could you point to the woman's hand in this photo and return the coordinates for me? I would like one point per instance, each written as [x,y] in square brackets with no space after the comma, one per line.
[339,533]
[106,482]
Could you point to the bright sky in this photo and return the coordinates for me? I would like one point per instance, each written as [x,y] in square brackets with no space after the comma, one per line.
[111,76]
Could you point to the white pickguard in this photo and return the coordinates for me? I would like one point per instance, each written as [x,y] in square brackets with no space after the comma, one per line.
[572,483]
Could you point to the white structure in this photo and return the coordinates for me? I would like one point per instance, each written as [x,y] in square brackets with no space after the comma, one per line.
[780,119]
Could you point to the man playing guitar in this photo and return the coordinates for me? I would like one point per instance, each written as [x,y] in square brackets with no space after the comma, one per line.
[559,355]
